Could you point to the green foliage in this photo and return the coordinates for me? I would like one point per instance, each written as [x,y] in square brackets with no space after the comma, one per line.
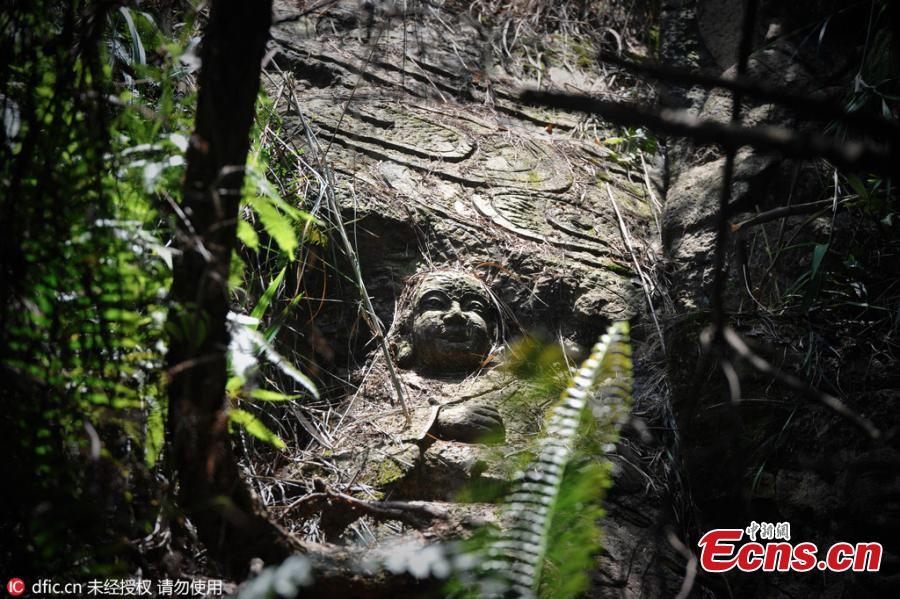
[626,147]
[98,102]
[876,87]
[255,427]
[540,363]
[835,277]
[273,231]
[250,349]
[574,538]
[552,534]
[93,140]
[263,304]
[875,198]
[156,434]
[280,220]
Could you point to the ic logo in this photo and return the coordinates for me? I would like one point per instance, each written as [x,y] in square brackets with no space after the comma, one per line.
[15,586]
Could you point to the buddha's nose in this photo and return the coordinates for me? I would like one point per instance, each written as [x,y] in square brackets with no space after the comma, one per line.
[454,315]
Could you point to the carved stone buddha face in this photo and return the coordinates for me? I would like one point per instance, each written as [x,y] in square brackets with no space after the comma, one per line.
[453,323]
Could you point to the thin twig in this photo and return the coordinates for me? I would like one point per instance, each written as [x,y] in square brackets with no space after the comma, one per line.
[414,514]
[740,347]
[297,16]
[372,319]
[655,205]
[785,211]
[369,311]
[637,265]
[722,228]
[326,183]
[690,568]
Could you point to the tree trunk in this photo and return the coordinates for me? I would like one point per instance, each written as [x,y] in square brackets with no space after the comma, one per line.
[229,520]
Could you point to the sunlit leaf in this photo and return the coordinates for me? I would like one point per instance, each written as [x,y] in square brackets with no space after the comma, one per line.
[179,140]
[276,224]
[266,395]
[266,298]
[247,343]
[247,235]
[233,386]
[255,427]
[138,54]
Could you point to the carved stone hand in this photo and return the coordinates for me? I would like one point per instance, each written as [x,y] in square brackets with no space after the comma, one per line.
[470,423]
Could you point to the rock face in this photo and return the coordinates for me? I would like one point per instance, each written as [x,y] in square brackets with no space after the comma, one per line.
[439,169]
[430,145]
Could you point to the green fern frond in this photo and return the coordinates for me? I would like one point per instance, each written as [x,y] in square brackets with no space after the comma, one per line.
[599,393]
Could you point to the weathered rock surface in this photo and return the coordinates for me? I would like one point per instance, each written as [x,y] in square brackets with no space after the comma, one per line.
[437,164]
[427,137]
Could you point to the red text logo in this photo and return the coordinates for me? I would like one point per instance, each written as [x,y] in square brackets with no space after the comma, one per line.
[720,552]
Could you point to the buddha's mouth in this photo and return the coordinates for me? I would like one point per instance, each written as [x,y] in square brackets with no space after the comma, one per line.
[455,334]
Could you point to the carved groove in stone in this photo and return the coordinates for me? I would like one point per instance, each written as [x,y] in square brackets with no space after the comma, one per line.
[544,218]
[404,131]
[524,165]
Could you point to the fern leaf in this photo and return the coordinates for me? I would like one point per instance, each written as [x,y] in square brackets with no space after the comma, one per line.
[600,388]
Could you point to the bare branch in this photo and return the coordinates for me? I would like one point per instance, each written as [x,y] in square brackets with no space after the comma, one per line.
[626,238]
[722,228]
[812,108]
[736,343]
[784,212]
[690,568]
[411,513]
[853,155]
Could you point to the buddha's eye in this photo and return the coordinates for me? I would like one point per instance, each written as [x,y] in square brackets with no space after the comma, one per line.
[432,302]
[475,305]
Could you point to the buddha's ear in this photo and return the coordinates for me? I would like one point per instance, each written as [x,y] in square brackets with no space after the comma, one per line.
[403,353]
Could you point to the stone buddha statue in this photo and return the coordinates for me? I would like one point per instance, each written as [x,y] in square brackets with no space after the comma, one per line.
[466,414]
[453,325]
[450,332]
